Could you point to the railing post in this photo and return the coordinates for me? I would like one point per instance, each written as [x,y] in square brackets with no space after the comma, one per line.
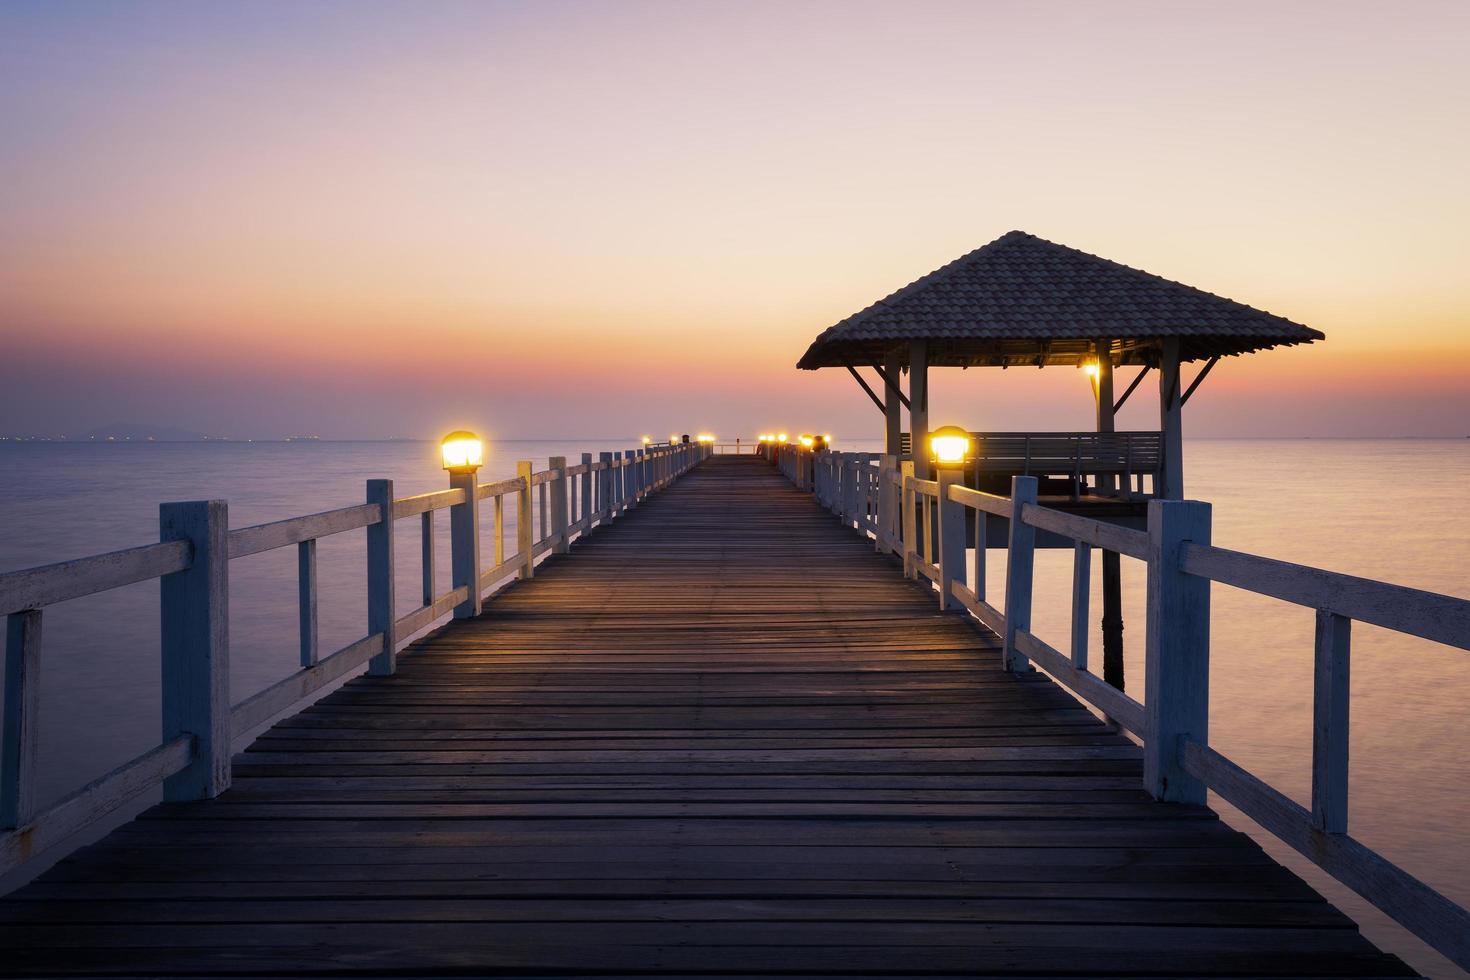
[852,507]
[380,578]
[1330,723]
[525,534]
[887,502]
[1177,650]
[194,615]
[1020,562]
[464,543]
[21,722]
[630,478]
[604,487]
[952,546]
[910,535]
[586,493]
[559,506]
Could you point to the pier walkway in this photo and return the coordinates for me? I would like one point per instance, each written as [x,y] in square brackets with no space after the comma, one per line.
[724,736]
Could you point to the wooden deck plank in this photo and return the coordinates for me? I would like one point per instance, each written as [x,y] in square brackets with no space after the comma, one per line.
[723,737]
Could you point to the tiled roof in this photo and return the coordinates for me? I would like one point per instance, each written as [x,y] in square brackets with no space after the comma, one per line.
[1022,299]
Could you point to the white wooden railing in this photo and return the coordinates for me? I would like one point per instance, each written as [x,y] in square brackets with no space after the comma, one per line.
[191,562]
[925,523]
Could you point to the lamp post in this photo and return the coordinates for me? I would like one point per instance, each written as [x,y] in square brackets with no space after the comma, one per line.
[463,453]
[950,448]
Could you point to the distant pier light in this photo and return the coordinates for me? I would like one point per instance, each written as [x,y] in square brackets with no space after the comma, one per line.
[706,438]
[782,438]
[648,440]
[949,445]
[807,440]
[463,452]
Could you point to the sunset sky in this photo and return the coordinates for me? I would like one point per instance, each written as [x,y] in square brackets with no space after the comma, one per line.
[597,219]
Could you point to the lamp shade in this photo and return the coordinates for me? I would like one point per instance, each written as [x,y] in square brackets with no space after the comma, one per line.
[462,452]
[949,445]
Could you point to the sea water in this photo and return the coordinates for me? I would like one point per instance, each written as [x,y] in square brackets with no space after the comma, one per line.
[1384,509]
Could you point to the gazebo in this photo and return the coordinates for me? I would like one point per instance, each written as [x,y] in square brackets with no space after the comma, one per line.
[1022,301]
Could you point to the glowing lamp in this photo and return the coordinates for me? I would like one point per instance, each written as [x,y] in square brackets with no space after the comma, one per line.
[462,452]
[673,438]
[781,438]
[705,437]
[648,440]
[949,445]
[1091,369]
[807,441]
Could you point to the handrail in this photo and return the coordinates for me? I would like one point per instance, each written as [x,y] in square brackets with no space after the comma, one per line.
[912,514]
[46,585]
[200,721]
[253,540]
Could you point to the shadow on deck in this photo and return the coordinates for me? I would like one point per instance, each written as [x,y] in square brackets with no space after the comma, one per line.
[723,736]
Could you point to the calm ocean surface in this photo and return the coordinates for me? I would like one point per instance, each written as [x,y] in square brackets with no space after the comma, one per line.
[1386,509]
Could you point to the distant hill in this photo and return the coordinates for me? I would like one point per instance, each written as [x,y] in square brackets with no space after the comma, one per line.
[132,432]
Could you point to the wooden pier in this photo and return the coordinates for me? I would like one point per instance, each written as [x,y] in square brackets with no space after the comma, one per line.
[724,736]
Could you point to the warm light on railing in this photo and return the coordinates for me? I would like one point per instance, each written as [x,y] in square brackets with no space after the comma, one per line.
[807,441]
[462,452]
[648,440]
[1091,369]
[949,445]
[705,437]
[782,438]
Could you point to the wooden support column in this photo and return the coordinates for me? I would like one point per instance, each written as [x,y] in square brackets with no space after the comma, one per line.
[604,487]
[1171,431]
[1112,572]
[194,614]
[1177,666]
[559,505]
[464,542]
[892,407]
[952,543]
[1020,566]
[525,534]
[919,406]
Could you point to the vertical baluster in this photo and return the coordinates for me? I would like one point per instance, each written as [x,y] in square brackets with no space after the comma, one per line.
[194,614]
[306,601]
[1081,594]
[1330,723]
[426,552]
[381,610]
[541,512]
[586,492]
[499,529]
[909,500]
[981,517]
[18,743]
[1020,562]
[1177,650]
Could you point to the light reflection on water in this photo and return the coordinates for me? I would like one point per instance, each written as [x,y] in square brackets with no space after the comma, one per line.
[1383,509]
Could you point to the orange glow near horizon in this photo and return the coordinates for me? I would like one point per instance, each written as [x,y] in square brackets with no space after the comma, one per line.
[269,218]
